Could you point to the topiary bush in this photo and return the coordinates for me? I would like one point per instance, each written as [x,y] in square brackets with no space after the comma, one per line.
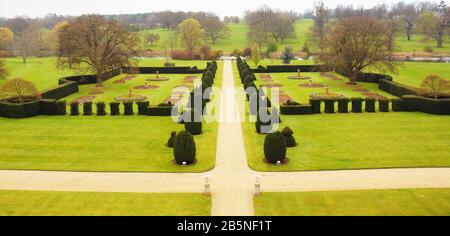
[275,148]
[75,109]
[87,109]
[101,109]
[357,105]
[343,105]
[289,137]
[370,104]
[316,105]
[142,107]
[384,105]
[397,104]
[115,108]
[171,139]
[184,149]
[128,108]
[329,106]
[263,127]
[193,123]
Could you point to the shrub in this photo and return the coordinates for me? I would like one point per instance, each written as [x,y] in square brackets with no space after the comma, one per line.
[171,139]
[329,106]
[357,105]
[115,110]
[384,105]
[184,149]
[19,91]
[343,105]
[370,104]
[128,108]
[101,109]
[247,52]
[181,55]
[193,123]
[74,108]
[87,109]
[397,104]
[287,56]
[316,105]
[263,127]
[275,148]
[289,137]
[142,107]
[61,108]
[428,49]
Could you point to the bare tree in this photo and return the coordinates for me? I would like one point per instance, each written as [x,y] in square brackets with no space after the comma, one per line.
[95,44]
[435,24]
[357,43]
[435,85]
[409,18]
[214,28]
[27,43]
[259,22]
[19,90]
[282,26]
[319,29]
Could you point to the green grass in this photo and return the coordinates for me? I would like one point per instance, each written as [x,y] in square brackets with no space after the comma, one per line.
[406,202]
[302,95]
[128,144]
[413,73]
[238,39]
[41,71]
[358,141]
[40,203]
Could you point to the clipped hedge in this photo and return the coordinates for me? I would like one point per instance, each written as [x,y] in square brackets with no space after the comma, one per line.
[115,108]
[159,111]
[61,108]
[275,148]
[75,109]
[87,109]
[101,109]
[142,107]
[370,104]
[397,104]
[296,109]
[15,110]
[48,107]
[384,105]
[315,105]
[427,105]
[357,105]
[343,105]
[395,88]
[128,108]
[62,91]
[329,106]
[184,149]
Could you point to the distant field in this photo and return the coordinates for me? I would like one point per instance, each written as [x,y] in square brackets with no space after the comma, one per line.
[405,202]
[42,203]
[413,73]
[238,39]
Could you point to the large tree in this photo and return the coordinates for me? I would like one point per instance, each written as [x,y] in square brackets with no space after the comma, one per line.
[190,34]
[94,44]
[28,42]
[434,24]
[6,38]
[282,26]
[215,29]
[357,43]
[259,24]
[53,39]
[319,29]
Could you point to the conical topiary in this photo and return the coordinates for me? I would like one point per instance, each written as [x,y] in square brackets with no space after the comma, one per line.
[184,149]
[171,139]
[275,148]
[289,137]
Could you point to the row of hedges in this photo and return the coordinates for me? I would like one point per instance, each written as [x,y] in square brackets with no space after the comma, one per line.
[423,104]
[162,70]
[62,91]
[287,68]
[396,88]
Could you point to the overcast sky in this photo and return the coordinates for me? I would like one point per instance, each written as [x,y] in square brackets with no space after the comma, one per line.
[38,8]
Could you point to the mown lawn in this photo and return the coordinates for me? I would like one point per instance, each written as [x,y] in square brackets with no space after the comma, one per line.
[44,73]
[41,203]
[128,144]
[358,141]
[413,73]
[405,202]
